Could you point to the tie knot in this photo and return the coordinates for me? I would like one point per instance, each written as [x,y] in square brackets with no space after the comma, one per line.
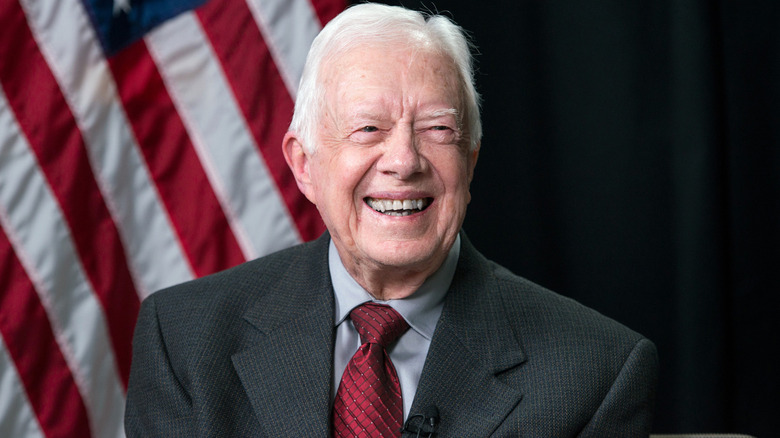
[378,323]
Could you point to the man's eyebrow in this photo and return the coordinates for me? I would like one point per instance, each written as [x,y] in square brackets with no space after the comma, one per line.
[369,115]
[443,112]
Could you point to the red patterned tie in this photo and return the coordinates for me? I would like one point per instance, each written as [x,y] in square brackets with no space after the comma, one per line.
[368,402]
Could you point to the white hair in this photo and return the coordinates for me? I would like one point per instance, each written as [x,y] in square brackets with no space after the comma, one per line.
[377,23]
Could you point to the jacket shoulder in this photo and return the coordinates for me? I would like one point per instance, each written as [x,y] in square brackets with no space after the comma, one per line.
[211,309]
[576,359]
[243,283]
[536,311]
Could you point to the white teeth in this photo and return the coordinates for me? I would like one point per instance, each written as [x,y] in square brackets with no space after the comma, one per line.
[397,207]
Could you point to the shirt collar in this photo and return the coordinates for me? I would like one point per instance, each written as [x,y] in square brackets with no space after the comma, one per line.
[421,309]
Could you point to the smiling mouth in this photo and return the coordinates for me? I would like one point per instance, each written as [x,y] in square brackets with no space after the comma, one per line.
[398,207]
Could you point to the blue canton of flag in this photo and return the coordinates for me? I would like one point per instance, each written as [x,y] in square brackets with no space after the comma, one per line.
[119,23]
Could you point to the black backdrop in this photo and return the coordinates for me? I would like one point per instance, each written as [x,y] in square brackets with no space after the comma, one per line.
[631,160]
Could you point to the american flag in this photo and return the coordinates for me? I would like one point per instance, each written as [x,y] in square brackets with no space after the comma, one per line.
[140,146]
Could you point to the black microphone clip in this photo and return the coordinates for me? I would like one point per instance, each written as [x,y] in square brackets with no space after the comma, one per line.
[423,425]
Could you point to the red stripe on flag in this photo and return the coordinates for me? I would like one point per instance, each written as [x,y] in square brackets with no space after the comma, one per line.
[327,9]
[30,341]
[190,201]
[45,118]
[262,96]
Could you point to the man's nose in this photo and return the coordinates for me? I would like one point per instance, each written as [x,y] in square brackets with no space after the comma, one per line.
[401,156]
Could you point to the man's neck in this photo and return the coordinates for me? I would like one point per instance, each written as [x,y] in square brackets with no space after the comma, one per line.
[385,283]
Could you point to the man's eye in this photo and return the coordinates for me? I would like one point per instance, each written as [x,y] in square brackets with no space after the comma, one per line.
[440,128]
[369,129]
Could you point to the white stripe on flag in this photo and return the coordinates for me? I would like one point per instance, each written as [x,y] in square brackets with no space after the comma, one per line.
[40,237]
[218,130]
[288,28]
[16,417]
[155,255]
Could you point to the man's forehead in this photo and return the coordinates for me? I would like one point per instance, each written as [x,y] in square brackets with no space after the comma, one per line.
[385,99]
[364,82]
[360,62]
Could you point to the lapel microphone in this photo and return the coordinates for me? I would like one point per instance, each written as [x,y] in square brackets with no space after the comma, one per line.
[423,425]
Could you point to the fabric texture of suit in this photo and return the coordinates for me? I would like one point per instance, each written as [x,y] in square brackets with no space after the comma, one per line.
[248,352]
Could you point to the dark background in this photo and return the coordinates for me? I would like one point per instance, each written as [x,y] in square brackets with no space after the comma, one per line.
[631,160]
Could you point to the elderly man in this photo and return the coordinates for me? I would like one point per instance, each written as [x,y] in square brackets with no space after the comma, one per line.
[391,320]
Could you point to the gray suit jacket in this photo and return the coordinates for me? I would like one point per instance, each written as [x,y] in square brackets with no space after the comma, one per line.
[248,352]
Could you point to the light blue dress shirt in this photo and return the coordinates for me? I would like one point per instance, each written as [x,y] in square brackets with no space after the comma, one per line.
[421,311]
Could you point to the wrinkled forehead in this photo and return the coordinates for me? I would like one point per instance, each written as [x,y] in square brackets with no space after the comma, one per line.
[412,57]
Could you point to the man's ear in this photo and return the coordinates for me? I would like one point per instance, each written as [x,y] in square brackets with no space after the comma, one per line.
[472,160]
[298,159]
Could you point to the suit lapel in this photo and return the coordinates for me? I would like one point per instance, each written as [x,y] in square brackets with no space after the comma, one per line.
[471,348]
[286,367]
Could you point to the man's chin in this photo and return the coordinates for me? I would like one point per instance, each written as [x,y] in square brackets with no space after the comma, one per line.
[406,255]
